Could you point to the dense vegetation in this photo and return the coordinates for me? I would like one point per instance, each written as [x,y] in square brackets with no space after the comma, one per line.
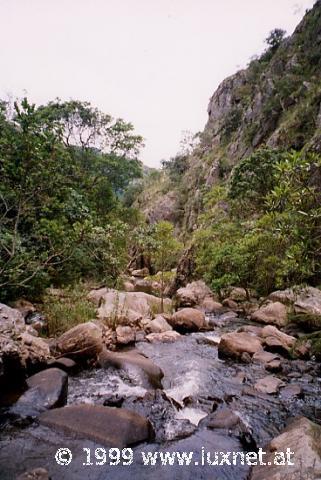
[63,169]
[262,229]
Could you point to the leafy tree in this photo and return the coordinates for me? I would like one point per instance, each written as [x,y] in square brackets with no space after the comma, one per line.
[59,207]
[275,38]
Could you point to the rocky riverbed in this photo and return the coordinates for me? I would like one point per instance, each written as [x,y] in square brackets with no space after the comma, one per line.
[221,404]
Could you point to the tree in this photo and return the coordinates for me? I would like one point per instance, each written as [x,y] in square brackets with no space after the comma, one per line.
[165,251]
[275,38]
[60,214]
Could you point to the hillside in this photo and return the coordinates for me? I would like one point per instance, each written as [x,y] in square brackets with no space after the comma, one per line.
[274,102]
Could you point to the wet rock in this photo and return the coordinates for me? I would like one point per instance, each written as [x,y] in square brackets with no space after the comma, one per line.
[289,392]
[188,320]
[114,400]
[233,345]
[165,337]
[264,357]
[125,335]
[83,340]
[47,389]
[66,364]
[105,425]
[251,329]
[158,325]
[269,384]
[274,313]
[302,437]
[277,341]
[274,366]
[35,474]
[224,418]
[133,362]
[126,308]
[161,411]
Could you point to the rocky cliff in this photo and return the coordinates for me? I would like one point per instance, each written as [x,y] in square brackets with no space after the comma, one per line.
[275,101]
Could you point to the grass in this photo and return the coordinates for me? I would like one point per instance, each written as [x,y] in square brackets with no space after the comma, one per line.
[67,309]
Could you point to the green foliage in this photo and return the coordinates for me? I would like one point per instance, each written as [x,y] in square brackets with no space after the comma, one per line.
[67,310]
[279,245]
[176,167]
[60,214]
[275,38]
[253,178]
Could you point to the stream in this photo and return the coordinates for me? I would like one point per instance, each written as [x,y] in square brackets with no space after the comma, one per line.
[195,384]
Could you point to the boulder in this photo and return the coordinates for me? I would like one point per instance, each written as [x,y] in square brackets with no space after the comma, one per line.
[143,285]
[143,272]
[188,320]
[234,345]
[197,294]
[165,337]
[158,325]
[20,352]
[264,357]
[125,335]
[289,392]
[47,389]
[127,308]
[237,294]
[303,438]
[274,313]
[302,299]
[113,427]
[231,304]
[269,384]
[83,340]
[35,474]
[66,364]
[133,362]
[277,341]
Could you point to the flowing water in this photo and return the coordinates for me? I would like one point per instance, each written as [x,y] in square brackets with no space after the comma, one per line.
[196,382]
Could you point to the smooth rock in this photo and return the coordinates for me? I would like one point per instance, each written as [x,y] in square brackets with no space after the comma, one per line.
[277,341]
[113,427]
[188,320]
[273,313]
[66,364]
[83,340]
[47,389]
[158,325]
[233,345]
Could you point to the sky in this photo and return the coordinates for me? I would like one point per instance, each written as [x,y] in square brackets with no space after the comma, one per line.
[154,63]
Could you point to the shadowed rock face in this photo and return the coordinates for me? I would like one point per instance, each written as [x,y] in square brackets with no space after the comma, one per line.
[144,367]
[104,425]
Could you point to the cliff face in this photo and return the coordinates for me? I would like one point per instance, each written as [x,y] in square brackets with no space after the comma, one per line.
[274,102]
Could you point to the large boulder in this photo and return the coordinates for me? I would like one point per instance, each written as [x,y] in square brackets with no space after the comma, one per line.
[277,341]
[302,299]
[303,438]
[187,320]
[135,364]
[158,325]
[127,307]
[83,340]
[20,352]
[235,345]
[47,389]
[274,313]
[197,294]
[113,427]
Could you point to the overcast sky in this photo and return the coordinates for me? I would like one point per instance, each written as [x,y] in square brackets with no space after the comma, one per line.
[152,62]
